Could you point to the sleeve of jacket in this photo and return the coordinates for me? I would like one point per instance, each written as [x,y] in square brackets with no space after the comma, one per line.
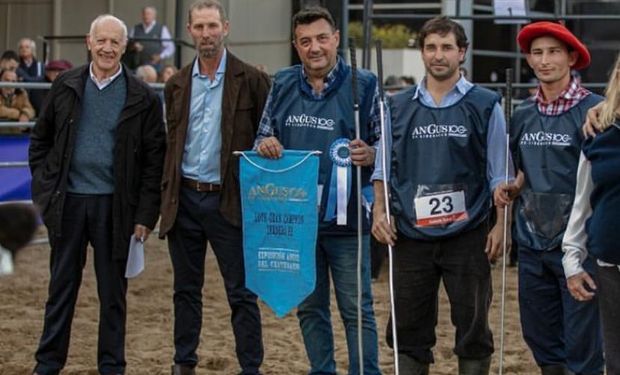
[153,152]
[262,84]
[42,135]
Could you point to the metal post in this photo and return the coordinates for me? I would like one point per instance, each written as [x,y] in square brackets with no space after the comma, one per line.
[367,25]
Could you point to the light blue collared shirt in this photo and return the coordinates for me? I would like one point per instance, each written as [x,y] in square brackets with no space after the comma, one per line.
[201,158]
[496,135]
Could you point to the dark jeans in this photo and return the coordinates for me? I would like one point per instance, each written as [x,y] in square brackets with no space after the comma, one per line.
[86,219]
[198,221]
[609,295]
[557,328]
[418,268]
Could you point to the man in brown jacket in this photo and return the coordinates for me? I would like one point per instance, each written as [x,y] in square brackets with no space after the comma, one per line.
[14,103]
[213,108]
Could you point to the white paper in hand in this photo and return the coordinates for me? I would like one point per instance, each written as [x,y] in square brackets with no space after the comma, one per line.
[135,260]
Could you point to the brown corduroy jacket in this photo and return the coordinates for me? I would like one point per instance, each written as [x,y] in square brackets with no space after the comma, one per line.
[245,92]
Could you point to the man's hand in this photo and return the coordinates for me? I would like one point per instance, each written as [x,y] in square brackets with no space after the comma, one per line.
[361,154]
[592,124]
[381,229]
[495,242]
[141,232]
[577,286]
[138,46]
[270,148]
[155,59]
[23,118]
[504,194]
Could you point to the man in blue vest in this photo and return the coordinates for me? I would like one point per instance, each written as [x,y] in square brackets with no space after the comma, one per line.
[563,334]
[447,156]
[310,107]
[151,52]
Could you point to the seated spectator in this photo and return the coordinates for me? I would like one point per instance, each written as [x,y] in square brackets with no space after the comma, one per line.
[52,70]
[29,70]
[167,72]
[14,103]
[146,73]
[9,60]
[393,85]
[18,222]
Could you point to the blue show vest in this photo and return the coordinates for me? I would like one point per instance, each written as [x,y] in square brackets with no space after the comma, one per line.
[603,152]
[303,122]
[439,150]
[547,150]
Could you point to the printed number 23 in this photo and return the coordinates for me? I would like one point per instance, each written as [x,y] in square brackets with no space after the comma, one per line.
[443,206]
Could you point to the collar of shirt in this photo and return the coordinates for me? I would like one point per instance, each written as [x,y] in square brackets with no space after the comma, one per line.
[221,69]
[106,81]
[148,28]
[459,90]
[567,99]
[328,81]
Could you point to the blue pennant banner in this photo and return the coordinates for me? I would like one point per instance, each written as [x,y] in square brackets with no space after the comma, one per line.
[280,221]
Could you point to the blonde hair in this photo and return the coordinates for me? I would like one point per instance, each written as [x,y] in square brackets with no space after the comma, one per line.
[611,105]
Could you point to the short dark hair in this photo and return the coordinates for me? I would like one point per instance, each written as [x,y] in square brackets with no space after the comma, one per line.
[312,14]
[9,55]
[214,4]
[443,26]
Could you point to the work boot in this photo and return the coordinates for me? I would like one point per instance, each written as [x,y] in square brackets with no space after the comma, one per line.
[474,366]
[410,366]
[554,370]
[183,370]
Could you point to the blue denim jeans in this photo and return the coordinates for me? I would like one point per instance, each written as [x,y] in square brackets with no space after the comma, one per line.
[338,255]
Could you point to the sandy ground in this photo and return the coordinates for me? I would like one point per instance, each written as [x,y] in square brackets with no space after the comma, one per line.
[149,324]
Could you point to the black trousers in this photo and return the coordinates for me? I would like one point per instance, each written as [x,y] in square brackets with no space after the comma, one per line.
[198,221]
[86,219]
[609,295]
[418,268]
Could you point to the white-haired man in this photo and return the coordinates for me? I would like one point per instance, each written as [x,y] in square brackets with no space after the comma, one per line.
[29,70]
[96,157]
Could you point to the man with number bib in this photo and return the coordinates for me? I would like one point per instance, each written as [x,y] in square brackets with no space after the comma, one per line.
[563,334]
[447,156]
[310,107]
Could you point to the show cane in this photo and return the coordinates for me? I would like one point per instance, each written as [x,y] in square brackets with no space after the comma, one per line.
[386,196]
[507,114]
[358,170]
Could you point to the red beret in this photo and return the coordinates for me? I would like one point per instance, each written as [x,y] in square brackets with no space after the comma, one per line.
[60,65]
[557,31]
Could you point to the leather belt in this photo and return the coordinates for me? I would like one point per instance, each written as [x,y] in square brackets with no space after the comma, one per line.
[199,186]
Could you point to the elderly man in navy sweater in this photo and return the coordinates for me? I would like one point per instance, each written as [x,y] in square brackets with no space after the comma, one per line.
[96,157]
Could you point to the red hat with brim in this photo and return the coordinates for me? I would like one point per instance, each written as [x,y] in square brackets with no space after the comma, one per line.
[60,65]
[559,32]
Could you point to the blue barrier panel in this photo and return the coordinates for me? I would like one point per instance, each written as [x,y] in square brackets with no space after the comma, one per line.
[14,181]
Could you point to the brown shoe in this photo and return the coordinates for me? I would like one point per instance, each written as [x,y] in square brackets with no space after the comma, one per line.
[183,370]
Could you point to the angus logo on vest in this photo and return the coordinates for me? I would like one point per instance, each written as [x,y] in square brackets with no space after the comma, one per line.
[307,121]
[439,131]
[543,138]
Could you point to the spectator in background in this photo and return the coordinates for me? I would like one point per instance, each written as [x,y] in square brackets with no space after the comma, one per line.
[9,60]
[147,51]
[146,73]
[52,70]
[14,103]
[167,72]
[29,70]
[393,85]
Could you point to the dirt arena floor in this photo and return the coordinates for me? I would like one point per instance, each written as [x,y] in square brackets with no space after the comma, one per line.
[149,324]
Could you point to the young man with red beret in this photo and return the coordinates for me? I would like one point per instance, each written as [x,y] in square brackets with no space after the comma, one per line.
[564,334]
